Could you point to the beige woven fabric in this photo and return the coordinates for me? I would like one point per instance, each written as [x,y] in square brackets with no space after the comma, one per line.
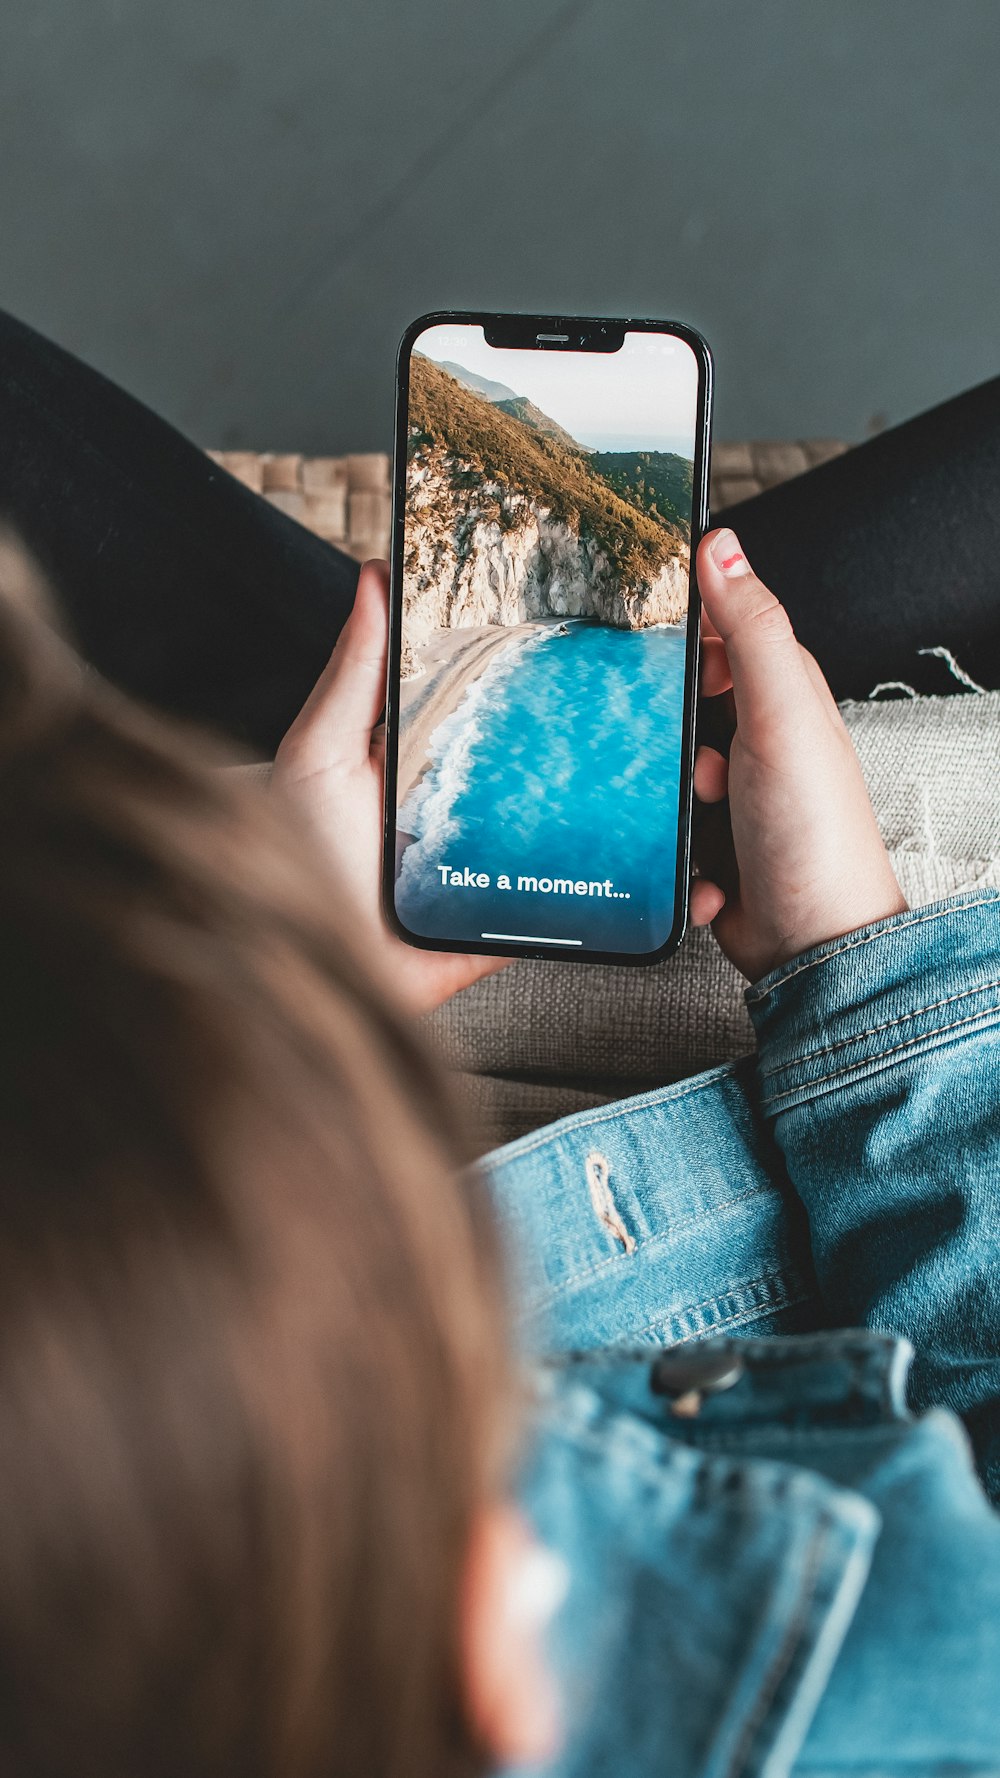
[348,501]
[741,470]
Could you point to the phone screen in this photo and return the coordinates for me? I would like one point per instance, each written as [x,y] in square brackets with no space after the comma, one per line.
[539,730]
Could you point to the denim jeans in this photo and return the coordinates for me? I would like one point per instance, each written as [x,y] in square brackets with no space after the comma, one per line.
[783,1542]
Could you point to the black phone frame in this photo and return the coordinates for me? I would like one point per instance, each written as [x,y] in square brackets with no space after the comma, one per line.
[600,332]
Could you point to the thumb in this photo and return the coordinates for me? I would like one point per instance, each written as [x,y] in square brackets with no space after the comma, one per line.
[334,726]
[764,658]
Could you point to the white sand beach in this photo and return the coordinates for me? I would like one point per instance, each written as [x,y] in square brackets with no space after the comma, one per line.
[452,661]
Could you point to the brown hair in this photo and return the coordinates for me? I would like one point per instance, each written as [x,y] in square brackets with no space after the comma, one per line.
[252,1360]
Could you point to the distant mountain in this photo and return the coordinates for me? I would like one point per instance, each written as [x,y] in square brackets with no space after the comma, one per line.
[529,415]
[659,483]
[517,405]
[512,468]
[472,380]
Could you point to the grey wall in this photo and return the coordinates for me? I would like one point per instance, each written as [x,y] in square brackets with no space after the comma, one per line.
[233,206]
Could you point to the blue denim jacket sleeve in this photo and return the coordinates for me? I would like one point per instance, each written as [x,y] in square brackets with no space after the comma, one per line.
[879,1062]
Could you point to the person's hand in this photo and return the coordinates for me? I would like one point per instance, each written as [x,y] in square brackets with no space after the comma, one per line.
[796,858]
[801,859]
[332,760]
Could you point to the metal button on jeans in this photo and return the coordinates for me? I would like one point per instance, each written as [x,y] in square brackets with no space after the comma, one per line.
[687,1373]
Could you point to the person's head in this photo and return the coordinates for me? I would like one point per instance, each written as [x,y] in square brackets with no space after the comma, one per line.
[255,1405]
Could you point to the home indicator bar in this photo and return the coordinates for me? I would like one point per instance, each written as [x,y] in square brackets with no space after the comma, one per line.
[530,938]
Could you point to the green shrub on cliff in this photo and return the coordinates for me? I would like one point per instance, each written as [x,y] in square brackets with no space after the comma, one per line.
[658,482]
[497,446]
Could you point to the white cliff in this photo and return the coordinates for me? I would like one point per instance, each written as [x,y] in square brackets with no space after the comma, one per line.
[480,553]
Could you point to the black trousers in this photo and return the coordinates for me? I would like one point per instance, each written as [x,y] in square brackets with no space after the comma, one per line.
[191,592]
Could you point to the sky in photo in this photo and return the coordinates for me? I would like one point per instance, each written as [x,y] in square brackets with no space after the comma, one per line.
[641,398]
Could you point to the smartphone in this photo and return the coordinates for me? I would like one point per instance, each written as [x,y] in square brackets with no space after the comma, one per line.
[550,487]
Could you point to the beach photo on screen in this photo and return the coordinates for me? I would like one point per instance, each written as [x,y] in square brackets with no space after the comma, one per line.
[546,566]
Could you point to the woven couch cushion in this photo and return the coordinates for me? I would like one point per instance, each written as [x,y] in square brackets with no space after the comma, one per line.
[544,1039]
[348,500]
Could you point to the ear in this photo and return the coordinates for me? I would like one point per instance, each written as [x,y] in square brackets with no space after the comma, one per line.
[513,1587]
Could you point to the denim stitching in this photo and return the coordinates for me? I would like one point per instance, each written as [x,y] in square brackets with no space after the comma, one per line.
[624,1108]
[901,1769]
[694,1337]
[775,1278]
[787,1650]
[876,1030]
[742,1435]
[601,1437]
[771,1352]
[786,1302]
[652,1242]
[897,1050]
[756,995]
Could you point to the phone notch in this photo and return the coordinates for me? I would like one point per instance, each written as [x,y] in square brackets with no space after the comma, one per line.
[552,333]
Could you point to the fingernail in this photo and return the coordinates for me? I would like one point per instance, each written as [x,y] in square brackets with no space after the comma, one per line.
[728,556]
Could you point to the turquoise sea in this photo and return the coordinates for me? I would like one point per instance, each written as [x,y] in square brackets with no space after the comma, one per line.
[560,768]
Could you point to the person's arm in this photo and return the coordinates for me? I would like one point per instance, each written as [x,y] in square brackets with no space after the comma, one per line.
[796,862]
[880,1065]
[877,1026]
